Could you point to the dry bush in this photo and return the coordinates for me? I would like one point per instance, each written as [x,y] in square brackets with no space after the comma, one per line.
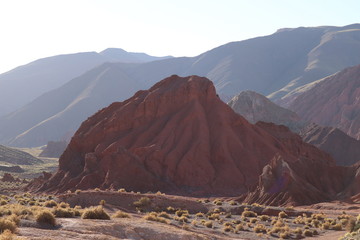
[283,214]
[8,235]
[153,216]
[95,213]
[260,228]
[142,202]
[50,203]
[63,212]
[46,217]
[7,224]
[248,213]
[120,214]
[208,224]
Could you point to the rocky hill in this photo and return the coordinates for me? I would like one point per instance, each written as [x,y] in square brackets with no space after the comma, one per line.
[17,157]
[333,101]
[179,137]
[256,107]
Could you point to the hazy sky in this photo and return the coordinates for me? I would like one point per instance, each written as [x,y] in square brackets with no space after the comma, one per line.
[40,28]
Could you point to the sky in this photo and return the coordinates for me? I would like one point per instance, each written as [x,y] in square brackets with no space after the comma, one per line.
[41,28]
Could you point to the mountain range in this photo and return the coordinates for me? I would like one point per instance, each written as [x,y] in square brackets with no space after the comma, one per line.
[32,80]
[272,65]
[332,101]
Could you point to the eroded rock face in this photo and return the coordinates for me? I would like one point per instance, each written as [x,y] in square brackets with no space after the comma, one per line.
[335,101]
[177,137]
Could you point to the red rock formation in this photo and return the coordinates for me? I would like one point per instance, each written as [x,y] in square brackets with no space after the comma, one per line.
[9,178]
[176,137]
[335,101]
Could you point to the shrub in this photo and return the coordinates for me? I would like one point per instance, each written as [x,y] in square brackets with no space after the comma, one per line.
[248,213]
[239,227]
[122,190]
[337,227]
[50,203]
[260,228]
[63,212]
[170,209]
[214,216]
[200,215]
[164,215]
[3,202]
[95,213]
[77,191]
[283,214]
[7,224]
[253,220]
[180,213]
[102,202]
[153,216]
[228,228]
[264,217]
[233,203]
[120,214]
[7,235]
[142,202]
[46,217]
[63,205]
[284,235]
[208,224]
[308,233]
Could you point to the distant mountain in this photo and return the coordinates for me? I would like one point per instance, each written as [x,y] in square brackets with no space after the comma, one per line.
[23,84]
[256,107]
[120,55]
[343,148]
[16,157]
[333,101]
[56,113]
[285,59]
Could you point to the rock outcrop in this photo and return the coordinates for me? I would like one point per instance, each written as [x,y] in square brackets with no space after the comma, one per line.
[179,137]
[334,101]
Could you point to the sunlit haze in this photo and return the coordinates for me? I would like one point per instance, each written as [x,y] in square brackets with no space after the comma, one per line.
[42,28]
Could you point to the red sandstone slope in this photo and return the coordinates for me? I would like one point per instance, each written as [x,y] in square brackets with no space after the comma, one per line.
[335,101]
[176,137]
